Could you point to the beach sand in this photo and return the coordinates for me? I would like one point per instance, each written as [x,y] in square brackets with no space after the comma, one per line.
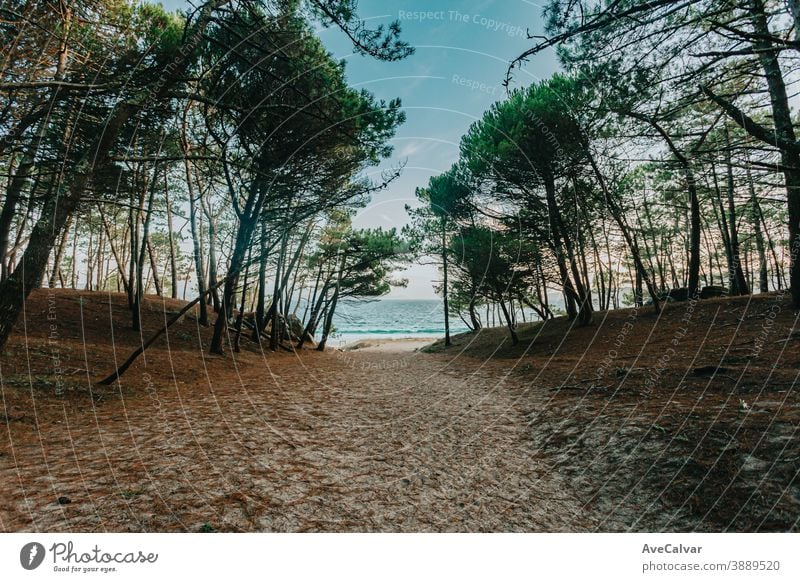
[389,345]
[548,435]
[382,438]
[340,441]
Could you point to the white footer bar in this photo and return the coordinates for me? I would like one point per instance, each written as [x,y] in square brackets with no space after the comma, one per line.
[406,557]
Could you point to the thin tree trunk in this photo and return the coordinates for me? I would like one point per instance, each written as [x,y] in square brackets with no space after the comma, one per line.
[763,275]
[617,215]
[113,247]
[315,305]
[139,351]
[244,236]
[445,290]
[60,255]
[329,312]
[274,314]
[473,316]
[240,315]
[154,267]
[74,259]
[197,249]
[261,305]
[509,323]
[173,259]
[740,286]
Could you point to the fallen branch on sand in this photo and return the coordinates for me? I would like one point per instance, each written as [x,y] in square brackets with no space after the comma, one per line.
[139,351]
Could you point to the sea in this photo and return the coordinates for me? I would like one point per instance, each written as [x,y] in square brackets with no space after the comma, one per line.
[390,319]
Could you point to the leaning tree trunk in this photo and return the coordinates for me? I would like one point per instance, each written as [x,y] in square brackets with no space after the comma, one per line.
[13,195]
[15,289]
[22,174]
[618,216]
[59,258]
[473,316]
[112,246]
[328,324]
[154,267]
[326,330]
[318,299]
[572,299]
[116,374]
[197,251]
[243,239]
[509,323]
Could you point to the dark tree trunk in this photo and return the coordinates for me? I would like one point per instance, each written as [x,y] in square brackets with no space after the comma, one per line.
[240,315]
[138,282]
[320,291]
[445,289]
[740,285]
[59,258]
[509,323]
[473,316]
[261,306]
[783,134]
[243,239]
[154,267]
[56,211]
[13,196]
[633,247]
[331,308]
[212,263]
[113,247]
[193,218]
[15,289]
[755,217]
[571,298]
[274,314]
[694,224]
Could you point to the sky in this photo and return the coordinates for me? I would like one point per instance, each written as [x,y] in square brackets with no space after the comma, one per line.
[462,53]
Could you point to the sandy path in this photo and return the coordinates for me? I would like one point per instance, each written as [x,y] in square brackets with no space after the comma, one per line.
[548,436]
[344,441]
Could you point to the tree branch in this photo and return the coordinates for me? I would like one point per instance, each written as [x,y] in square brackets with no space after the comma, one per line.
[747,123]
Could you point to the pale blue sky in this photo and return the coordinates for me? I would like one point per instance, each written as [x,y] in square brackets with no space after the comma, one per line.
[462,51]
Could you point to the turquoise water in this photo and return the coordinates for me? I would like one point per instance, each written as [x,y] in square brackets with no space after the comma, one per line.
[391,318]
